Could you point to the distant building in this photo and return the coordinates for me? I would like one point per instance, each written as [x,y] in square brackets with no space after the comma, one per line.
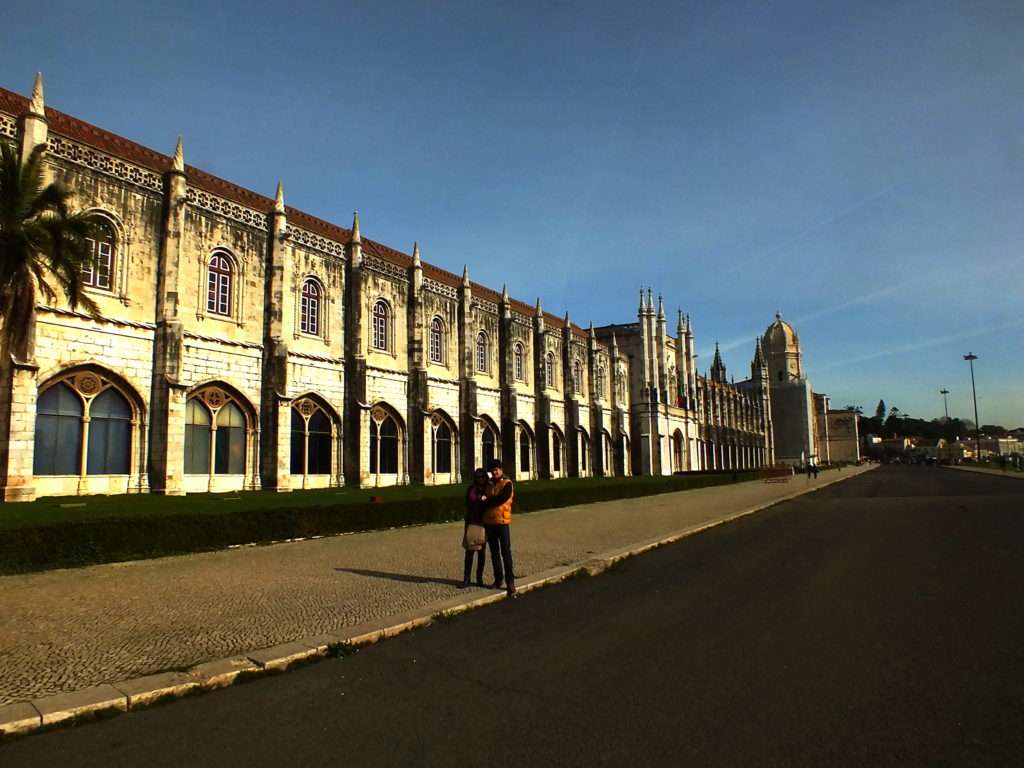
[842,436]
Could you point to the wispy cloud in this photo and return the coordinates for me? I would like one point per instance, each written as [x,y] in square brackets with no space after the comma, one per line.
[916,346]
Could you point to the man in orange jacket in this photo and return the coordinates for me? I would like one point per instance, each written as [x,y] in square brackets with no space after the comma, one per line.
[497,521]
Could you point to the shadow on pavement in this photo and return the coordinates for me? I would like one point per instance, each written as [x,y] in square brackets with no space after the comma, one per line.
[406,577]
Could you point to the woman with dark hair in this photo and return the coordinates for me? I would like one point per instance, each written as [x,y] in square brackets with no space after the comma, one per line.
[474,538]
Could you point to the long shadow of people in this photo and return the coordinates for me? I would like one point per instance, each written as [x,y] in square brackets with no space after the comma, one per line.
[405,577]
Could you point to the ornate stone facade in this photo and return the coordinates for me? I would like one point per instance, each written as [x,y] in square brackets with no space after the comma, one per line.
[245,344]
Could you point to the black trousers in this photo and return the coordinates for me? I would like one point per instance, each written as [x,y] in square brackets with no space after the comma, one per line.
[481,556]
[499,539]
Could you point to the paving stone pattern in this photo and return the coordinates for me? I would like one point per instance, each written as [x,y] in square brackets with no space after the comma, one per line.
[67,630]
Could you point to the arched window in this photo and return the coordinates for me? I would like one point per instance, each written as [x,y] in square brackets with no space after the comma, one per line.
[481,352]
[487,445]
[584,460]
[549,370]
[219,284]
[384,446]
[442,459]
[214,412]
[98,271]
[556,451]
[599,384]
[609,457]
[63,410]
[110,434]
[517,362]
[577,376]
[197,438]
[677,452]
[437,341]
[312,299]
[229,455]
[524,451]
[381,324]
[58,445]
[311,439]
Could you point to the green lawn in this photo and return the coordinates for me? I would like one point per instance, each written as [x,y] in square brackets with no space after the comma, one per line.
[81,530]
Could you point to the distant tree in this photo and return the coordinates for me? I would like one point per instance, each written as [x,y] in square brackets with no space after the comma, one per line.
[856,409]
[880,410]
[993,430]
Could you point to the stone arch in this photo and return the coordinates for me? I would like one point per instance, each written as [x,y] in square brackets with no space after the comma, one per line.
[90,432]
[443,440]
[315,450]
[557,451]
[221,438]
[525,451]
[488,441]
[387,447]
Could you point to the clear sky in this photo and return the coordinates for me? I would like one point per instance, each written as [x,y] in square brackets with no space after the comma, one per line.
[858,166]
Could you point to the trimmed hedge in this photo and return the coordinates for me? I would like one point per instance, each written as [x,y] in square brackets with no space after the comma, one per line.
[126,537]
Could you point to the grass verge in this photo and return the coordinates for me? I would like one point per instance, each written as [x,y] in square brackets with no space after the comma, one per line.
[44,534]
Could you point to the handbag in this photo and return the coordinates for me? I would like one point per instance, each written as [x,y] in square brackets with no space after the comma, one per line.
[474,537]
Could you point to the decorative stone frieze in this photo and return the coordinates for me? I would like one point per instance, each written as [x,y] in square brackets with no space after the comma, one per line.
[209,202]
[95,160]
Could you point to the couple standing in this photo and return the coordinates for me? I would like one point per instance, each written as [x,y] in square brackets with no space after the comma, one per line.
[488,517]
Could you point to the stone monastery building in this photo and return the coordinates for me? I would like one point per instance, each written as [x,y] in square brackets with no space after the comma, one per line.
[244,344]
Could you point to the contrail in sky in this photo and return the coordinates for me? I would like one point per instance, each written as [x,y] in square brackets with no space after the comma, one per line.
[918,345]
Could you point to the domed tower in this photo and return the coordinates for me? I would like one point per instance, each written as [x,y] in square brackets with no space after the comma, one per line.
[782,349]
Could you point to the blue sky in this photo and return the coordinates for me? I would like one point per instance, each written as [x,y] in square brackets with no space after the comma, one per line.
[858,166]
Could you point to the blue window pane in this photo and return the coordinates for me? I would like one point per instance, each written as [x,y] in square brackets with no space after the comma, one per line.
[109,451]
[58,445]
[298,443]
[197,449]
[229,457]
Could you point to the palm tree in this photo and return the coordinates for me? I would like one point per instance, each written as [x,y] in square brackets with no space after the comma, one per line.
[42,245]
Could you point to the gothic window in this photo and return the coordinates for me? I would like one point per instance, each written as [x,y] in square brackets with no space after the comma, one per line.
[62,413]
[577,376]
[599,384]
[384,446]
[517,361]
[442,449]
[381,324]
[437,341]
[584,463]
[556,452]
[677,452]
[58,447]
[229,450]
[524,451]
[609,458]
[487,445]
[98,271]
[197,438]
[481,352]
[312,302]
[311,439]
[549,370]
[219,284]
[110,434]
[215,423]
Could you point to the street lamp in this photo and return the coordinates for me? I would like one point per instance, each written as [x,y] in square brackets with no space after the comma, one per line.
[945,402]
[970,358]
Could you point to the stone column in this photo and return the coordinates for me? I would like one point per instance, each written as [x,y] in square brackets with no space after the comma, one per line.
[167,425]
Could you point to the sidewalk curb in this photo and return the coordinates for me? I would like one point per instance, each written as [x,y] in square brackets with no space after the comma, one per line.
[1011,475]
[25,717]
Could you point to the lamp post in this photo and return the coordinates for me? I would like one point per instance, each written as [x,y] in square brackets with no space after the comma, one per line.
[945,402]
[970,358]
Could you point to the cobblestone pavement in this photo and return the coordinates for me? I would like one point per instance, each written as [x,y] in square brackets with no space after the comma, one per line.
[69,629]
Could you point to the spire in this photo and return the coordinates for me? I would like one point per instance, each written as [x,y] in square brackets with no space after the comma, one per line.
[504,293]
[566,321]
[178,166]
[279,199]
[539,312]
[680,328]
[465,275]
[650,301]
[661,308]
[356,237]
[641,310]
[36,106]
[615,342]
[416,262]
[689,328]
[717,367]
[591,332]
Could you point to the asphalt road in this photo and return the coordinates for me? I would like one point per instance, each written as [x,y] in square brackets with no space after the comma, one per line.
[876,622]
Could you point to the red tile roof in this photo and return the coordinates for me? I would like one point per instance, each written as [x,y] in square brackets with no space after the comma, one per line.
[85,133]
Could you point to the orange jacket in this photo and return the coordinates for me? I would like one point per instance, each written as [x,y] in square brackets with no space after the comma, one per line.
[500,513]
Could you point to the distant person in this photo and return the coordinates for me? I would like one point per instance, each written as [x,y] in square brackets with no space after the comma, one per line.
[474,536]
[814,470]
[497,521]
